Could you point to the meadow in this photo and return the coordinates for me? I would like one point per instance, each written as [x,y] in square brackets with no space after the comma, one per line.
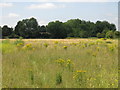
[59,63]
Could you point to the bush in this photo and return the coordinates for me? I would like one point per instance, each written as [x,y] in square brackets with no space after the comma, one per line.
[46,45]
[58,78]
[100,35]
[65,47]
[116,34]
[110,34]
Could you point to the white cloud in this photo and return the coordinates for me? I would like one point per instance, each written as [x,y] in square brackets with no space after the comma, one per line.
[13,15]
[6,4]
[42,22]
[45,6]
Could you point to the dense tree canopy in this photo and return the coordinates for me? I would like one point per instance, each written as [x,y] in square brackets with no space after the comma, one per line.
[6,31]
[57,29]
[116,34]
[0,32]
[29,28]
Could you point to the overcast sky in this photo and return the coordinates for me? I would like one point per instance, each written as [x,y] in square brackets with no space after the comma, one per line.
[45,11]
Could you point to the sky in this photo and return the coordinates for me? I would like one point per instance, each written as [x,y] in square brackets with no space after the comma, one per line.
[46,11]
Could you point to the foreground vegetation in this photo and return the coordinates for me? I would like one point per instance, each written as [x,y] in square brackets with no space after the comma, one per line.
[60,63]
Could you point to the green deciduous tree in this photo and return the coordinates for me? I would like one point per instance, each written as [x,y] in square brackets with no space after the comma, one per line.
[0,32]
[6,31]
[57,29]
[27,28]
[116,34]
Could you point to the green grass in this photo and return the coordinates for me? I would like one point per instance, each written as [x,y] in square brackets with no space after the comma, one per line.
[89,63]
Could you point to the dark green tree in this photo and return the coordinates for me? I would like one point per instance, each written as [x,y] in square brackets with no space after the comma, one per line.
[57,29]
[6,31]
[27,28]
[83,34]
[43,29]
[0,32]
[73,27]
[116,34]
[100,26]
[112,27]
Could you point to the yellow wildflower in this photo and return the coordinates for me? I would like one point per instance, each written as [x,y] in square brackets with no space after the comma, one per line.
[65,47]
[80,71]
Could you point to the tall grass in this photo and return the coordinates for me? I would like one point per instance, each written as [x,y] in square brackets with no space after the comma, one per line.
[60,64]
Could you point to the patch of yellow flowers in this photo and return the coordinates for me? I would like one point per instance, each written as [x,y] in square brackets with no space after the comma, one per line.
[20,45]
[111,47]
[66,63]
[65,47]
[79,71]
[28,47]
[60,61]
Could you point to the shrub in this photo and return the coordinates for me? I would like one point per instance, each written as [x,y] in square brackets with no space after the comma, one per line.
[100,35]
[28,46]
[46,45]
[65,47]
[58,78]
[60,62]
[20,45]
[111,47]
[109,34]
[116,34]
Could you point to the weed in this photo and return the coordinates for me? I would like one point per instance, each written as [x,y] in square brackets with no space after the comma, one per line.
[58,78]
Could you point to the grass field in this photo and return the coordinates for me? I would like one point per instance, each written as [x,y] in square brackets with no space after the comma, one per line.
[60,63]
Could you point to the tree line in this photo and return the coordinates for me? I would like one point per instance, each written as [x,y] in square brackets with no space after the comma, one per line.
[75,28]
